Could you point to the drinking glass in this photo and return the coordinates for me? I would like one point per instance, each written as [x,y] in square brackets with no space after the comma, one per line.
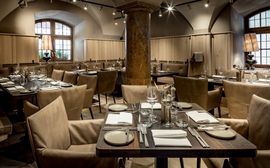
[152,99]
[182,119]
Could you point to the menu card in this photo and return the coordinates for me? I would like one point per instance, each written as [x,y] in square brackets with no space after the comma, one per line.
[122,118]
[202,117]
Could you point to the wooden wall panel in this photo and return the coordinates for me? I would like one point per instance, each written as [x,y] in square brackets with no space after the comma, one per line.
[6,55]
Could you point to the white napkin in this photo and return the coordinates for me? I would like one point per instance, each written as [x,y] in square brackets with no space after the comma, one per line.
[168,133]
[218,76]
[12,89]
[264,80]
[48,88]
[148,105]
[202,117]
[122,118]
[4,80]
[19,87]
[183,142]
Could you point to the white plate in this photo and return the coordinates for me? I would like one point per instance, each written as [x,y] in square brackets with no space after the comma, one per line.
[184,105]
[118,137]
[222,134]
[118,107]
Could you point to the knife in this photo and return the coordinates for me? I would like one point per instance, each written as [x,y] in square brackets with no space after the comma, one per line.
[144,132]
[198,137]
[140,133]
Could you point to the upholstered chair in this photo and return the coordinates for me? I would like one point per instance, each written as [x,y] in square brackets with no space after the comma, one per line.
[134,93]
[106,84]
[57,74]
[70,77]
[195,90]
[91,82]
[256,129]
[57,142]
[238,96]
[5,127]
[73,98]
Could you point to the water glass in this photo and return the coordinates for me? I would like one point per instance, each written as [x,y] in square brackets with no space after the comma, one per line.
[144,119]
[182,119]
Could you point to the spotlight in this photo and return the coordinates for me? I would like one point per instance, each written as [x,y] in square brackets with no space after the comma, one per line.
[124,21]
[113,13]
[85,7]
[160,13]
[206,4]
[74,1]
[115,23]
[170,8]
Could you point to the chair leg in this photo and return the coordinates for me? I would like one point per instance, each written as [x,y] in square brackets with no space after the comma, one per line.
[198,162]
[181,162]
[219,112]
[81,116]
[99,103]
[91,112]
[106,98]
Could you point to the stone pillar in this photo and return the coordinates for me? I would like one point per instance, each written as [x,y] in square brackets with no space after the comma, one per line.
[137,42]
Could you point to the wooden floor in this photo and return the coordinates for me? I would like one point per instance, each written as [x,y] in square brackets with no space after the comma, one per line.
[19,154]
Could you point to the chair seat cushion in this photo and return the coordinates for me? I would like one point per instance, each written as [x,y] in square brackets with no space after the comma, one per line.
[167,80]
[83,148]
[5,126]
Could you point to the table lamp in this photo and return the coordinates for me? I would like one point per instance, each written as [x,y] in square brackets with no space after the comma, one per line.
[46,44]
[250,45]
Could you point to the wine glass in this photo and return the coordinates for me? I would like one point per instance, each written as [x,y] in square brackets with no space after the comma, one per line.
[152,99]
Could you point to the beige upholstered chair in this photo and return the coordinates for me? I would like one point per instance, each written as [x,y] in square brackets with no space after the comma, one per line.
[70,77]
[73,98]
[238,96]
[5,128]
[256,129]
[91,82]
[57,142]
[57,74]
[195,90]
[105,84]
[134,93]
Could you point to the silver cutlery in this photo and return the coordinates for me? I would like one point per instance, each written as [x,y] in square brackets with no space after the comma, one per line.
[198,137]
[140,133]
[144,132]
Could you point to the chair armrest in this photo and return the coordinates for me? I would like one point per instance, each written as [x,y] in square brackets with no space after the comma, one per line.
[85,131]
[29,108]
[239,125]
[62,158]
[214,98]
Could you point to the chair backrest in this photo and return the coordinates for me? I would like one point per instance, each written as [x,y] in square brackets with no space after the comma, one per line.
[73,97]
[48,128]
[70,77]
[134,93]
[258,120]
[57,74]
[238,96]
[193,90]
[106,81]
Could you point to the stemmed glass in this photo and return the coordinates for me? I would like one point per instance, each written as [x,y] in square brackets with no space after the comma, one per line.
[152,98]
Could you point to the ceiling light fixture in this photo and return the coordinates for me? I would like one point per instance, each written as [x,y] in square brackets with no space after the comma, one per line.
[115,23]
[74,1]
[206,4]
[160,13]
[113,13]
[85,7]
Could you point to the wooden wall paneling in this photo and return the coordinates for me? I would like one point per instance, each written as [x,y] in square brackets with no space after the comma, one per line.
[6,49]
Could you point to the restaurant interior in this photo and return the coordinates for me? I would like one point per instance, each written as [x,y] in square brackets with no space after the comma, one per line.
[134,83]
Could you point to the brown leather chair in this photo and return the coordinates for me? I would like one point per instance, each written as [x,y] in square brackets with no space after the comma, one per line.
[57,74]
[57,142]
[106,81]
[256,129]
[70,77]
[238,96]
[73,98]
[134,93]
[195,90]
[91,82]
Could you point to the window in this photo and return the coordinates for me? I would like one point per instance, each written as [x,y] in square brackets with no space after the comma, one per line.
[61,34]
[259,23]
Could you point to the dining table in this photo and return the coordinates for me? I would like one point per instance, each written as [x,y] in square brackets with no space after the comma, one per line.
[218,148]
[158,74]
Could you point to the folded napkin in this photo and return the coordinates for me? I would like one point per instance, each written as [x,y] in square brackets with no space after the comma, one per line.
[4,80]
[48,88]
[122,118]
[202,117]
[264,80]
[19,87]
[168,133]
[218,76]
[182,142]
[148,105]
[11,89]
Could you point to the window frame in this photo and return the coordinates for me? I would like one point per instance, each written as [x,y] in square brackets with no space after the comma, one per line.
[62,37]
